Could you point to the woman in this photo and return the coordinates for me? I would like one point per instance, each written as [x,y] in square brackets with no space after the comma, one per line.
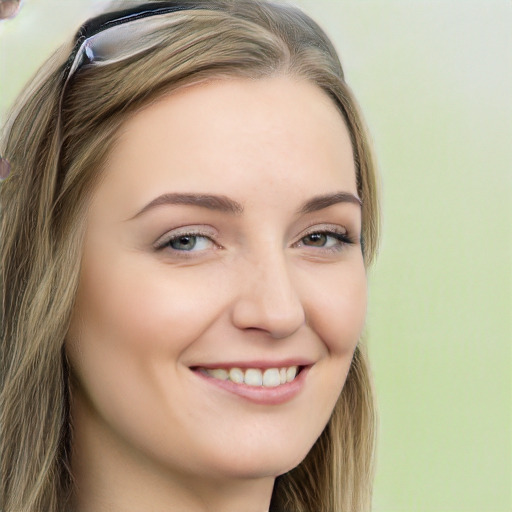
[185,236]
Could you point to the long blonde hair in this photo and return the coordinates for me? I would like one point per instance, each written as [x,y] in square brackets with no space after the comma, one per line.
[57,150]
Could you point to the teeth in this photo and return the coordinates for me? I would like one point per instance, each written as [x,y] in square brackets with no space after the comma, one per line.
[253,377]
[236,375]
[291,373]
[271,378]
[218,374]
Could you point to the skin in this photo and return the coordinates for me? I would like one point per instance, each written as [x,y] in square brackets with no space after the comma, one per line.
[149,434]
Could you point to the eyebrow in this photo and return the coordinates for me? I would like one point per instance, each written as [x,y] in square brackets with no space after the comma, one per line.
[324,201]
[225,204]
[208,201]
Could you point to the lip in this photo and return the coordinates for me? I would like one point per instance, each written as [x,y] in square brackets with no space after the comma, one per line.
[260,363]
[258,394]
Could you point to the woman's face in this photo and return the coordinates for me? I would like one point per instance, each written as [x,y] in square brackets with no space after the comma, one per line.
[222,240]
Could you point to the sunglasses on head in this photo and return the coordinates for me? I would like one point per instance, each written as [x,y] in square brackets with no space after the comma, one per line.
[116,35]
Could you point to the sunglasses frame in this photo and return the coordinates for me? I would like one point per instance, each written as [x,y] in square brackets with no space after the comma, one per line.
[98,24]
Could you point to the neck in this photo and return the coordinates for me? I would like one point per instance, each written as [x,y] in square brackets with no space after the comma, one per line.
[122,495]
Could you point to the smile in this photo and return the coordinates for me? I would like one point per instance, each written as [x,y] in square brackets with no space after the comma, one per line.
[270,378]
[267,385]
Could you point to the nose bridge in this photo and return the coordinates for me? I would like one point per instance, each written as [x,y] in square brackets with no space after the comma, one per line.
[268,297]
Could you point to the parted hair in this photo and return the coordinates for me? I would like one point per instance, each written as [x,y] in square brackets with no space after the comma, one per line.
[57,145]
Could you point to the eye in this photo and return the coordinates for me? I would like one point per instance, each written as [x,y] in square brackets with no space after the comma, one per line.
[326,239]
[186,242]
[319,240]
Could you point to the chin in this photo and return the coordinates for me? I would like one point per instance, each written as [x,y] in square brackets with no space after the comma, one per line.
[260,462]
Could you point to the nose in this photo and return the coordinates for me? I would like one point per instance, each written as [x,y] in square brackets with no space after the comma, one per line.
[268,299]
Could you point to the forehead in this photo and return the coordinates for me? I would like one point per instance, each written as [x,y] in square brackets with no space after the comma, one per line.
[233,135]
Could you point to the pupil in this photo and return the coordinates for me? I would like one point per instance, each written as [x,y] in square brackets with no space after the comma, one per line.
[318,239]
[184,242]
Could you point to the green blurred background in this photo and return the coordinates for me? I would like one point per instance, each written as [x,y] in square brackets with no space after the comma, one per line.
[434,79]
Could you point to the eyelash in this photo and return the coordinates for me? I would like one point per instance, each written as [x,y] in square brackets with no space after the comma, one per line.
[165,244]
[342,240]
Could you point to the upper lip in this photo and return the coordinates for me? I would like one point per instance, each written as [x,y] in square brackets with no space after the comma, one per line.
[262,364]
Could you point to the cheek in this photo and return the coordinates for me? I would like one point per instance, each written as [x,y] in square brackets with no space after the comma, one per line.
[336,306]
[131,324]
[131,308]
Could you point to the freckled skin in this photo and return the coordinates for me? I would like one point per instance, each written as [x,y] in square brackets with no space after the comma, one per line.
[148,431]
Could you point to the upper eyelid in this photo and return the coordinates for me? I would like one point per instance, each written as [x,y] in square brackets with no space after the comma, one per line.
[212,235]
[165,239]
[342,238]
[199,232]
[323,228]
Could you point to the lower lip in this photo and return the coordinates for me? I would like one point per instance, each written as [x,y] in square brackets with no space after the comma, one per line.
[260,394]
